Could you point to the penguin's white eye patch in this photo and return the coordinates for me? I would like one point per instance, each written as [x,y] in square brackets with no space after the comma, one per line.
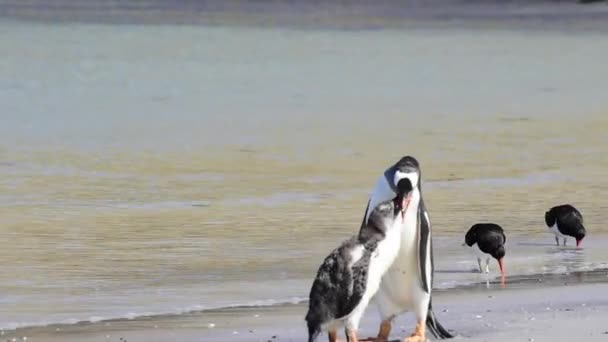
[412,176]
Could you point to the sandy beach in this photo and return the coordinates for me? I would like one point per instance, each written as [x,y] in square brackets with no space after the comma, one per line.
[533,308]
[558,308]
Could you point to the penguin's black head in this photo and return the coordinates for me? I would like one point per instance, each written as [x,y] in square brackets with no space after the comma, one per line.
[405,177]
[404,186]
[408,164]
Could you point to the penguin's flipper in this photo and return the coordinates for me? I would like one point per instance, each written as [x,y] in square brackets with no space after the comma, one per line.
[425,263]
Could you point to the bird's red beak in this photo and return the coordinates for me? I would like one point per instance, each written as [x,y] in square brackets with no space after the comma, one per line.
[578,243]
[502,272]
[502,266]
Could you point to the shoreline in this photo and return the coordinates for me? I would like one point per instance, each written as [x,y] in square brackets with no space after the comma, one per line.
[357,15]
[480,312]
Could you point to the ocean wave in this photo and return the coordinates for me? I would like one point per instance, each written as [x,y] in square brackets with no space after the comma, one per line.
[188,310]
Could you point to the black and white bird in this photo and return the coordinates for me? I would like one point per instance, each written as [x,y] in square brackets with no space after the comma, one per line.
[408,283]
[490,241]
[350,276]
[565,220]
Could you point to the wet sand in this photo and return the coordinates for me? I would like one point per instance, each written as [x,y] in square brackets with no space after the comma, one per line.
[531,308]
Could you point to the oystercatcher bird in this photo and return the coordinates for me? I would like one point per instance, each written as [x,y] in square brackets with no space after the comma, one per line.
[490,239]
[565,220]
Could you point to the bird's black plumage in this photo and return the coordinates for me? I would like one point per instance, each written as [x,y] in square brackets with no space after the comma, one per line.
[569,221]
[338,287]
[489,237]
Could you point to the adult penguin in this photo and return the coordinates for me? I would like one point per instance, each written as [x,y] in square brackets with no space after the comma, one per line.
[408,283]
[351,274]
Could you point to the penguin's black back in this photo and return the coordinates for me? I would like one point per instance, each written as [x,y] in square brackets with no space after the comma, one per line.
[338,288]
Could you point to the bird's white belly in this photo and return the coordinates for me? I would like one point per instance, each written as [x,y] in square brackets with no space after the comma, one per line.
[382,258]
[401,283]
[403,273]
[478,253]
[556,231]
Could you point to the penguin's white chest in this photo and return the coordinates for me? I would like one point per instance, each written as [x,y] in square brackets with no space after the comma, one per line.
[403,275]
[406,262]
[384,256]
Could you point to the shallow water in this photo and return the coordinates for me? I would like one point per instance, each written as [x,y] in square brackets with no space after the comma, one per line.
[164,169]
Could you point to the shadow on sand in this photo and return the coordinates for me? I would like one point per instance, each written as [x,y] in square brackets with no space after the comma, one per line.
[473,270]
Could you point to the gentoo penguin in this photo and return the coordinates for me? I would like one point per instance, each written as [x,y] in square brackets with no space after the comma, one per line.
[565,220]
[490,239]
[408,283]
[351,274]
